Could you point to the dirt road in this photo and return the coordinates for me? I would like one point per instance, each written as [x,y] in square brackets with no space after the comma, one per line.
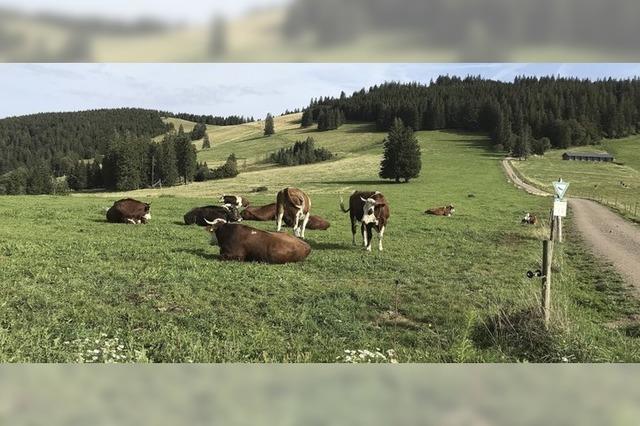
[610,236]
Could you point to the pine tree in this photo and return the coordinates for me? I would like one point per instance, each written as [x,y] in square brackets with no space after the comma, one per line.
[401,158]
[198,131]
[185,157]
[206,143]
[39,179]
[307,119]
[166,163]
[269,128]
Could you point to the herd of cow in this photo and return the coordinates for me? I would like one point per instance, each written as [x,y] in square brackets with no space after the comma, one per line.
[292,208]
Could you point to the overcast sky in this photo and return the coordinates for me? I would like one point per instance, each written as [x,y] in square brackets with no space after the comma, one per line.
[227,89]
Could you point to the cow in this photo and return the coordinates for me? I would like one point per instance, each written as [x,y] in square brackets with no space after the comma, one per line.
[235,200]
[268,212]
[199,215]
[441,211]
[295,204]
[529,219]
[128,210]
[372,211]
[264,213]
[247,244]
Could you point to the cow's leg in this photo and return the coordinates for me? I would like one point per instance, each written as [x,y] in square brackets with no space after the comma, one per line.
[363,228]
[296,225]
[369,236]
[279,217]
[380,237]
[304,223]
[131,221]
[353,230]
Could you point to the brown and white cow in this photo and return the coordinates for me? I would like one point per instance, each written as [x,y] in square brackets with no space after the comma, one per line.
[247,244]
[529,219]
[128,210]
[372,211]
[268,212]
[294,203]
[234,200]
[441,211]
[199,215]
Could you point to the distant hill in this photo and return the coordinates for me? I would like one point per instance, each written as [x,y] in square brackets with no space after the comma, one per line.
[49,137]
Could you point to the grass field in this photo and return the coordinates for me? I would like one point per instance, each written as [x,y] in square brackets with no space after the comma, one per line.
[75,288]
[598,181]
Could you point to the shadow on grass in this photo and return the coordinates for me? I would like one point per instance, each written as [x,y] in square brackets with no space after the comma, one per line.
[330,246]
[356,182]
[520,334]
[199,252]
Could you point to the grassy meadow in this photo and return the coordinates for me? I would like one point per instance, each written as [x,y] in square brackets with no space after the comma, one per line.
[75,288]
[598,181]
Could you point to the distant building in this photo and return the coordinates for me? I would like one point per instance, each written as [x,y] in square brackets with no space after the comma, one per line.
[588,156]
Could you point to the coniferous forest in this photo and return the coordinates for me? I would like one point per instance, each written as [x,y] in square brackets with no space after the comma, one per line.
[527,115]
[113,148]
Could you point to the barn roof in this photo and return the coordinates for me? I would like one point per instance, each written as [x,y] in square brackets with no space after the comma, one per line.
[589,154]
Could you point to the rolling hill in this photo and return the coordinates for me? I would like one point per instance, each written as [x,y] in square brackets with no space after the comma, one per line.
[444,289]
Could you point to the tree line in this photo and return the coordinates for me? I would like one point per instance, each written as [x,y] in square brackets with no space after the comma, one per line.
[217,120]
[527,115]
[302,152]
[61,139]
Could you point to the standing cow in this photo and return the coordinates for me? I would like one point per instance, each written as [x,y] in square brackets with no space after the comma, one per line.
[200,215]
[130,211]
[372,211]
[247,244]
[268,212]
[295,204]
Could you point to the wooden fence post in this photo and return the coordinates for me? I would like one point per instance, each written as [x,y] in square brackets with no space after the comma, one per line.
[547,259]
[552,225]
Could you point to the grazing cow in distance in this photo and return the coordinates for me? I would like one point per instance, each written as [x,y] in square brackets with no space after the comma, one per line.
[247,244]
[372,211]
[294,203]
[200,215]
[529,219]
[441,211]
[130,211]
[235,200]
[268,212]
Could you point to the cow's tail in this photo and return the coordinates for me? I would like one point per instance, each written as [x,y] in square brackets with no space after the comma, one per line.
[342,206]
[297,206]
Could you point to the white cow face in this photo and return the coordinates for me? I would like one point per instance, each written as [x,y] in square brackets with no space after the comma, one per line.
[368,215]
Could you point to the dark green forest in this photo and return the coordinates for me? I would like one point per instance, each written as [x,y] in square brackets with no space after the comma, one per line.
[302,152]
[62,138]
[518,115]
[231,120]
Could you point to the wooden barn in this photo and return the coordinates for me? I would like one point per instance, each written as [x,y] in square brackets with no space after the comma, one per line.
[588,156]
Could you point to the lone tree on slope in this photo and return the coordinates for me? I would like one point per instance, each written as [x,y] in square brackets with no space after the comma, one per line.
[401,158]
[269,128]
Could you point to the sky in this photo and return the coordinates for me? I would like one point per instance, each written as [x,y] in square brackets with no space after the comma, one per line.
[235,89]
[186,11]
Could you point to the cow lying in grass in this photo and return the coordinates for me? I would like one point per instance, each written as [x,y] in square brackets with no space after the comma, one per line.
[200,215]
[529,219]
[268,212]
[130,211]
[235,200]
[247,244]
[441,211]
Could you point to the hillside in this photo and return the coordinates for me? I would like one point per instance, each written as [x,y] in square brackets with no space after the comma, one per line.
[616,185]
